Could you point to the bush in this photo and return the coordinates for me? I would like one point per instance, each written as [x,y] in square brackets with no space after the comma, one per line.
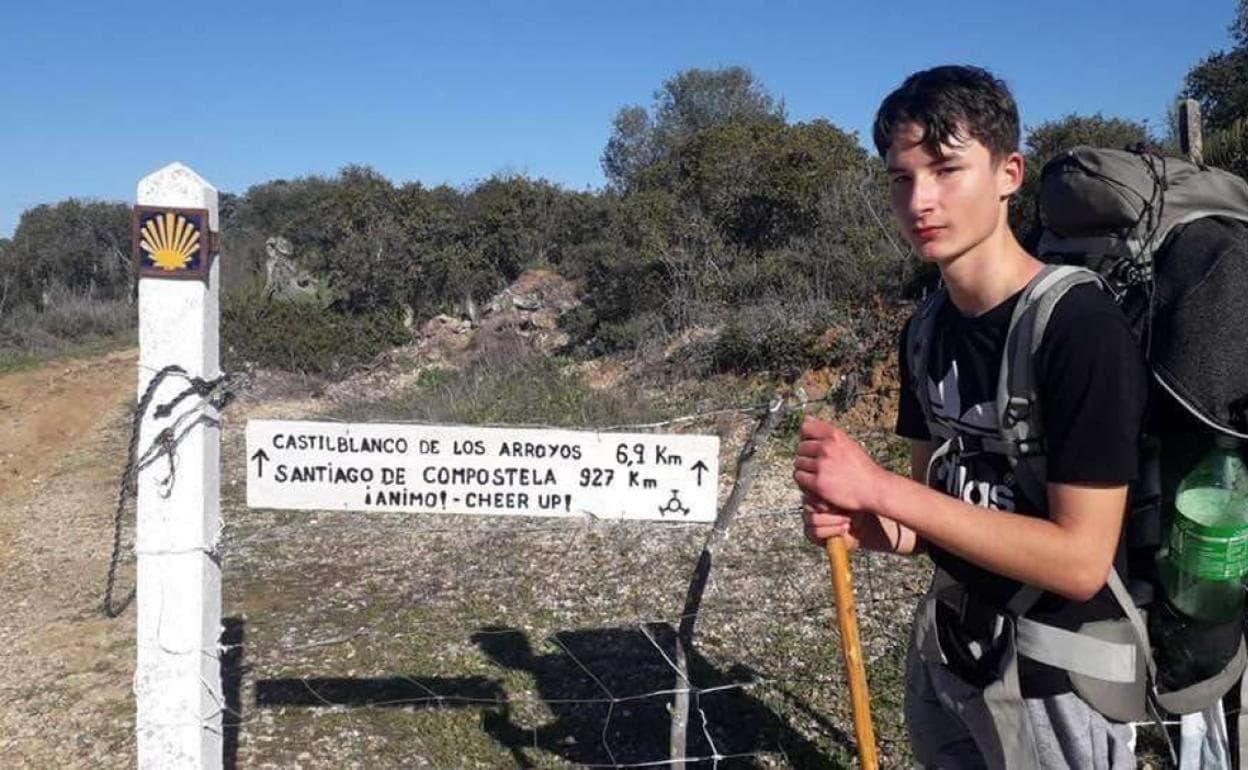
[630,334]
[257,331]
[69,321]
[589,337]
[75,317]
[780,340]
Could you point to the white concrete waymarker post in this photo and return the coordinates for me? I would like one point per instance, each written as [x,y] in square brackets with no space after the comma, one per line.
[177,682]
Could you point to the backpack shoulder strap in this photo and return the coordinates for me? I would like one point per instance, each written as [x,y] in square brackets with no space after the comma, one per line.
[919,338]
[1018,402]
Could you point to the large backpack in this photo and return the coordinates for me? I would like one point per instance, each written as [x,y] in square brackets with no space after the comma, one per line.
[1120,219]
[1134,218]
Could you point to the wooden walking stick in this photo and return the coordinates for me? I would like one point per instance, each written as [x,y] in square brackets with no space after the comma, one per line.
[847,620]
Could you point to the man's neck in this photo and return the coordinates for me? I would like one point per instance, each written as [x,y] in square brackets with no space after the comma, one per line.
[989,274]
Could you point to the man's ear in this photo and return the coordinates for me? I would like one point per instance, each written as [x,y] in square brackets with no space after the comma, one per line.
[1010,174]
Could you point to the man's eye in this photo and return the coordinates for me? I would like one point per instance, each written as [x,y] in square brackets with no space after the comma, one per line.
[947,170]
[900,179]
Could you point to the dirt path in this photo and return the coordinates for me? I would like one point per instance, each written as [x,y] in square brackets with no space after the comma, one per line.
[64,678]
[45,412]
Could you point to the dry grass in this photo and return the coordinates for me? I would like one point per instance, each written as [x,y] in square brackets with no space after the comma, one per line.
[72,325]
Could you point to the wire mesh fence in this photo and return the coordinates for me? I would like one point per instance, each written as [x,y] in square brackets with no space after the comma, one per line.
[387,639]
[545,645]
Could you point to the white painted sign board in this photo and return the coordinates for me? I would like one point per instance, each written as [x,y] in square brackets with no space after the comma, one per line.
[305,465]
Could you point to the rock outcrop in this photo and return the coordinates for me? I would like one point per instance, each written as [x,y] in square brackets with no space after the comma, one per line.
[285,281]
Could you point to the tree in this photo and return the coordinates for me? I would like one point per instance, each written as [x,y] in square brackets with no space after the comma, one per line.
[281,207]
[366,255]
[1228,148]
[631,148]
[81,246]
[1052,137]
[724,205]
[760,182]
[349,230]
[690,101]
[1220,82]
[515,223]
[696,99]
[8,275]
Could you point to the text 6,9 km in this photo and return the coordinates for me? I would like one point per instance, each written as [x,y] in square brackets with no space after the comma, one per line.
[626,455]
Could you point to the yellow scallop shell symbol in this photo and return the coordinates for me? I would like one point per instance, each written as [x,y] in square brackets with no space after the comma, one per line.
[170,240]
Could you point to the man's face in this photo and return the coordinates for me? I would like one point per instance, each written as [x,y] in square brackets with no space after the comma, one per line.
[947,205]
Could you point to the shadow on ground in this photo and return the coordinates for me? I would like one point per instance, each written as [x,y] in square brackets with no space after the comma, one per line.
[232,636]
[606,694]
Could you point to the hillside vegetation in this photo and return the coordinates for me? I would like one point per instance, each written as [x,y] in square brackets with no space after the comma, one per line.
[719,213]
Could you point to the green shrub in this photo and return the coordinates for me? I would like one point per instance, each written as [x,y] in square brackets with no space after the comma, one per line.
[778,339]
[620,284]
[434,376]
[256,331]
[627,334]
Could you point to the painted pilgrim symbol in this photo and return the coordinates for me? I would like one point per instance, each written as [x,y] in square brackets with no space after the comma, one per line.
[673,506]
[172,243]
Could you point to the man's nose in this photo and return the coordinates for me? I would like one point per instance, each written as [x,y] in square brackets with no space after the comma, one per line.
[922,195]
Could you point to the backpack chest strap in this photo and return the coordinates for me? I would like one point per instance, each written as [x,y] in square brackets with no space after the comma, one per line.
[966,444]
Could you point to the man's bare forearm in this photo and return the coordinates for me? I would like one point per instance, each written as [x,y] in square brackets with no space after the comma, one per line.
[1036,551]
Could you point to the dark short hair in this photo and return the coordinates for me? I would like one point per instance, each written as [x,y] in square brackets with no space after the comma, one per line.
[948,103]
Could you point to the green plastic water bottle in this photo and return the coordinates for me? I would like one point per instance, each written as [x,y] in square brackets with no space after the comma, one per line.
[1203,570]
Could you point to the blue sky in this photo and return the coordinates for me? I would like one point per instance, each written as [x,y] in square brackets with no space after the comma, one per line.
[96,95]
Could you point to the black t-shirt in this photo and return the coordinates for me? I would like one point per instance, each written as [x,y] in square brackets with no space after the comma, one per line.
[1093,390]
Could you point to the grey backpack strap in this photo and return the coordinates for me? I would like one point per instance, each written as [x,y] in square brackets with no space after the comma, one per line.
[1132,613]
[1072,651]
[1018,404]
[1194,697]
[1242,722]
[919,338]
[1198,696]
[1003,699]
[1077,652]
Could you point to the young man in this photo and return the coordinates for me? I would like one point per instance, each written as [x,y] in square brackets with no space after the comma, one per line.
[949,137]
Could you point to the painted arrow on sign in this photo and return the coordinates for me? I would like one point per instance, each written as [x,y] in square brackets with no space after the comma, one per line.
[260,457]
[700,467]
